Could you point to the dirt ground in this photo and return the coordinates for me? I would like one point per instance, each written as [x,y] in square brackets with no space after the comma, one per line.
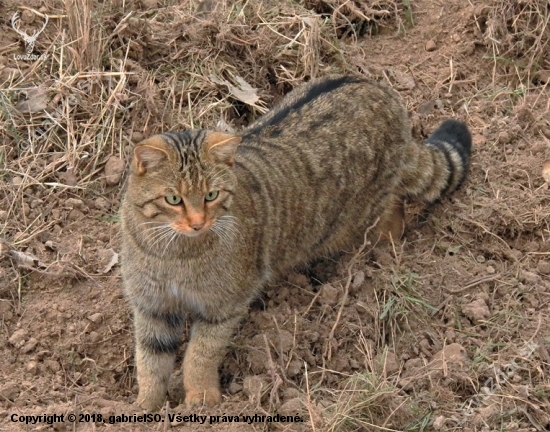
[447,329]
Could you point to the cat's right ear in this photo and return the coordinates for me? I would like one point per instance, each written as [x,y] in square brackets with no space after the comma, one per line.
[148,154]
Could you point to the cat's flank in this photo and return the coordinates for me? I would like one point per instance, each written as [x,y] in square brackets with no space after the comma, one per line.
[209,218]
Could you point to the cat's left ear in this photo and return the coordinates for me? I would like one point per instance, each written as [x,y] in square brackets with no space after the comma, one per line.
[222,146]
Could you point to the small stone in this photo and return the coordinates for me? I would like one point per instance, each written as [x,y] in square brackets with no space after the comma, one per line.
[137,137]
[529,277]
[44,236]
[431,46]
[113,170]
[75,215]
[18,338]
[29,346]
[52,365]
[101,204]
[329,294]
[294,368]
[32,367]
[94,337]
[491,270]
[68,178]
[543,267]
[477,310]
[453,353]
[74,203]
[513,254]
[358,279]
[104,237]
[96,318]
[504,137]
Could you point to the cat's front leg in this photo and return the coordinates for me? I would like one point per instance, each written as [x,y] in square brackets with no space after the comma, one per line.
[158,337]
[206,349]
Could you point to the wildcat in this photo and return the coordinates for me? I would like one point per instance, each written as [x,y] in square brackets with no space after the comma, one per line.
[209,218]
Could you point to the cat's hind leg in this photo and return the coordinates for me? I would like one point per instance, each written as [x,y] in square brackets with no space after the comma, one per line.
[392,223]
[158,337]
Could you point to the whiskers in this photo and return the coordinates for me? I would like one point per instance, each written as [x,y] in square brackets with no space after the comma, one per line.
[227,229]
[161,235]
[156,235]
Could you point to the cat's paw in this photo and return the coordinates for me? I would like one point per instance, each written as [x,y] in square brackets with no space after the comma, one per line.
[209,397]
[150,403]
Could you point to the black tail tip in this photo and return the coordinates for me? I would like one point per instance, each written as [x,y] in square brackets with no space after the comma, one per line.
[453,131]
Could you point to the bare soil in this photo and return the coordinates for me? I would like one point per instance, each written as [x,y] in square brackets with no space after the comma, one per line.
[447,329]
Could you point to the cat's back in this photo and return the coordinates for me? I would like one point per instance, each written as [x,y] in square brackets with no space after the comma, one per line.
[319,166]
[330,105]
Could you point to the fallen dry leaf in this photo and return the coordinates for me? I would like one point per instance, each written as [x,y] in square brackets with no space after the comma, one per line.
[112,262]
[26,260]
[37,100]
[243,91]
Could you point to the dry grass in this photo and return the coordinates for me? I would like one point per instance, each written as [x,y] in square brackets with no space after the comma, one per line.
[518,35]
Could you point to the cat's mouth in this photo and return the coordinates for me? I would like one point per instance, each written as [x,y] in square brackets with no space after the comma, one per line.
[191,231]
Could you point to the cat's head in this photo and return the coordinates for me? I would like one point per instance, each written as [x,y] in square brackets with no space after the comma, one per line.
[183,181]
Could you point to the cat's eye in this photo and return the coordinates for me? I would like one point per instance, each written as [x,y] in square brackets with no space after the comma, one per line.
[211,196]
[173,199]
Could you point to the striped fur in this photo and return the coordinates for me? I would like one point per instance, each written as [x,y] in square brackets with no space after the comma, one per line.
[305,180]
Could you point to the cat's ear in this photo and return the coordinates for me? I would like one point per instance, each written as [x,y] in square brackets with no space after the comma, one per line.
[149,153]
[222,146]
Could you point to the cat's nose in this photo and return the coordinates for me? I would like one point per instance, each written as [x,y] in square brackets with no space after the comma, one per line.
[197,225]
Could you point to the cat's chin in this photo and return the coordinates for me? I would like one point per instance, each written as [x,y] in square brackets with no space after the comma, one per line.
[193,234]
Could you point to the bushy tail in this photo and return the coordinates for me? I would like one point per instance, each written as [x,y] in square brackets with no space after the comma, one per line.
[442,163]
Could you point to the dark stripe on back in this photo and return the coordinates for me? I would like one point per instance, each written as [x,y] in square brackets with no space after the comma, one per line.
[324,86]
